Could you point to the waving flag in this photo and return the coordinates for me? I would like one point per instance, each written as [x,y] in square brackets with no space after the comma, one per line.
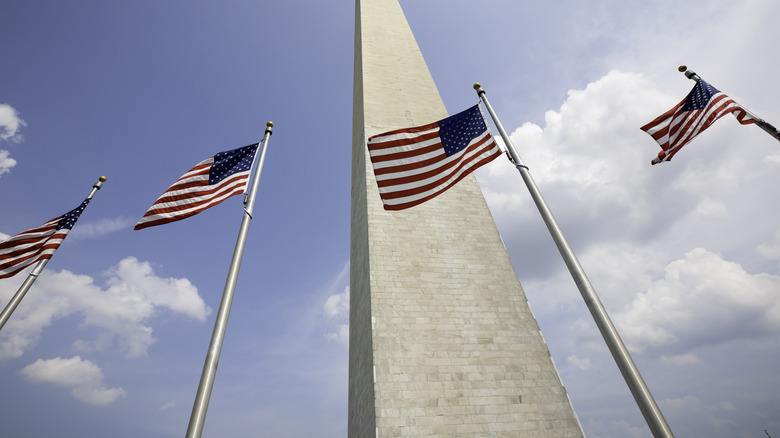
[700,109]
[413,165]
[207,184]
[28,247]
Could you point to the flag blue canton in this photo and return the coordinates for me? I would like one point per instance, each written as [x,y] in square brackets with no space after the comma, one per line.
[457,131]
[699,96]
[69,219]
[230,162]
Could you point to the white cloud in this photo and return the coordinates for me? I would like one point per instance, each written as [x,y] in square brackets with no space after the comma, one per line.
[591,163]
[84,377]
[709,208]
[99,228]
[119,313]
[702,300]
[579,362]
[6,162]
[717,415]
[336,309]
[133,282]
[683,255]
[10,124]
[771,249]
[340,336]
[337,305]
[169,405]
[9,131]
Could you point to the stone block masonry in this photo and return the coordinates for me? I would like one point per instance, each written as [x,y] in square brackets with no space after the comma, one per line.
[442,341]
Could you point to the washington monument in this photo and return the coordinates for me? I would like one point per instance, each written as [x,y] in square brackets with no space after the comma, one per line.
[442,342]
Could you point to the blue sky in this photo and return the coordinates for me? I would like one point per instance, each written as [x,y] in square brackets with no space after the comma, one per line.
[111,339]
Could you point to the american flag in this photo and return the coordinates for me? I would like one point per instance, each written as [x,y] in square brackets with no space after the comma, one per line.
[28,247]
[207,184]
[700,109]
[413,165]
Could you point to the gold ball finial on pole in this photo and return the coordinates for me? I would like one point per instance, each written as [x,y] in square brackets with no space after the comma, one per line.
[98,185]
[270,124]
[477,86]
[688,74]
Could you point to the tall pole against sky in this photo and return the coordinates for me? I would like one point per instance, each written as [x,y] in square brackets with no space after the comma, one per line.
[209,373]
[647,405]
[442,341]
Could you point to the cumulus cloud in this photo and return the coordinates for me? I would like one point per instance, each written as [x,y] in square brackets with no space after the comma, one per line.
[771,248]
[606,187]
[634,224]
[702,299]
[6,162]
[120,311]
[10,123]
[683,255]
[85,379]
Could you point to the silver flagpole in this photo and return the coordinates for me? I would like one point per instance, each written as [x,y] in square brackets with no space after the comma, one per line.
[201,405]
[17,298]
[763,124]
[653,416]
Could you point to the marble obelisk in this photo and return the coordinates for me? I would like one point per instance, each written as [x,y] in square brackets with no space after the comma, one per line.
[442,342]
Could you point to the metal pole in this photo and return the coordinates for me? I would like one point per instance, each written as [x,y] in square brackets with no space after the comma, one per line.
[28,282]
[763,124]
[653,416]
[201,405]
[17,298]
